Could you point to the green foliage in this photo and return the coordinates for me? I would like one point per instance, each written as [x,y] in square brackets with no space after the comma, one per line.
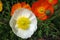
[46,29]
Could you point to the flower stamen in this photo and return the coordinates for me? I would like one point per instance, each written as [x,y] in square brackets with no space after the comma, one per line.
[23,23]
[41,10]
[50,1]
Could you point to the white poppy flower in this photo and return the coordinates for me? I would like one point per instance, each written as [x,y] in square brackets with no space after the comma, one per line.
[23,23]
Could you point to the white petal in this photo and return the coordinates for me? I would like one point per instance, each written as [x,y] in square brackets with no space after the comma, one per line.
[21,12]
[33,26]
[26,33]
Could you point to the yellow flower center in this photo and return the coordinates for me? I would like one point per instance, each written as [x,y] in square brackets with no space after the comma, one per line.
[1,6]
[50,1]
[41,10]
[23,23]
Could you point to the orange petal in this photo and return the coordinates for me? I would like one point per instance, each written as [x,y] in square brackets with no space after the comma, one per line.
[52,2]
[27,6]
[24,5]
[43,16]
[15,7]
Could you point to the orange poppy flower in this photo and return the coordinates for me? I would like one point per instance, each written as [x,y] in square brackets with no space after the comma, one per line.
[40,10]
[18,6]
[53,2]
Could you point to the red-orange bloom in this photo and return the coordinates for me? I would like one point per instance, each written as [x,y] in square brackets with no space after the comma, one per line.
[40,10]
[18,6]
[53,2]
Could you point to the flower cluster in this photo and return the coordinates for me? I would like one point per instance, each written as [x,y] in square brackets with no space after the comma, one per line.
[24,22]
[43,9]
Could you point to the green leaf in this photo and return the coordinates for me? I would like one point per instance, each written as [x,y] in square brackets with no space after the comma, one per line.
[40,33]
